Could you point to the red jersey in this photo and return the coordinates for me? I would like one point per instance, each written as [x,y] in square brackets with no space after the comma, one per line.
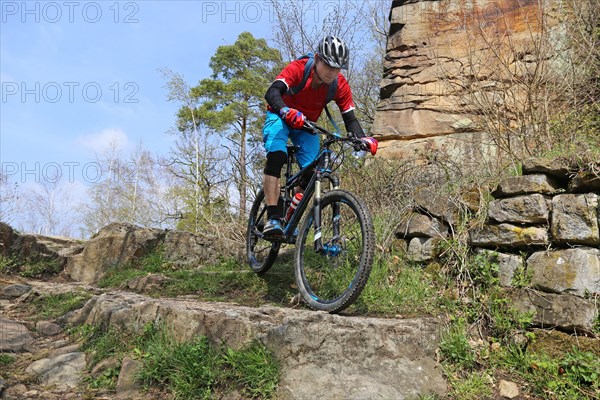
[309,101]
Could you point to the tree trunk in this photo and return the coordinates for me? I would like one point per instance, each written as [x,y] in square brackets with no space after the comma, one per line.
[243,174]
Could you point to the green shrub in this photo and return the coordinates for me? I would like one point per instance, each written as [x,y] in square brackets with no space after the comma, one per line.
[455,347]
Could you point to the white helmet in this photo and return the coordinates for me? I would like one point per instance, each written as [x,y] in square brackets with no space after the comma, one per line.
[334,52]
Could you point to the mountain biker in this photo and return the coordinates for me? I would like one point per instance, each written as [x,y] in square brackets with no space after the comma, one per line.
[287,112]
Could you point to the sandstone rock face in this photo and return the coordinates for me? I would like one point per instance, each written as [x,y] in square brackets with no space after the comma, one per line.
[443,67]
[147,283]
[26,248]
[120,244]
[186,249]
[115,244]
[354,358]
[7,238]
[64,370]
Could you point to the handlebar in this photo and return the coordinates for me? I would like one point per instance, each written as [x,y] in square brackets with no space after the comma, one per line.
[315,129]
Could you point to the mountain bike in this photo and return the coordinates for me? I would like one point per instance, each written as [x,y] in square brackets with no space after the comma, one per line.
[335,241]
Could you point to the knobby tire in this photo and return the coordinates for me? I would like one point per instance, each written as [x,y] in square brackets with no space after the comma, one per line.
[332,280]
[261,254]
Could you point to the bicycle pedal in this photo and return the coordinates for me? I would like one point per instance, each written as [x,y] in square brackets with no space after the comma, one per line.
[273,235]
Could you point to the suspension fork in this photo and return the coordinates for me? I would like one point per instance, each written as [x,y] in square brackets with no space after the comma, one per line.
[335,181]
[318,242]
[321,173]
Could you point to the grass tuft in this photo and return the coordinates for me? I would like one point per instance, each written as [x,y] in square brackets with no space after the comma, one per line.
[52,306]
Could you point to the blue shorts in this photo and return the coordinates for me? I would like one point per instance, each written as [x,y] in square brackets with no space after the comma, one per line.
[275,138]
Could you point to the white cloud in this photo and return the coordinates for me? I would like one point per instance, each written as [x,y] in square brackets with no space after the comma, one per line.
[102,141]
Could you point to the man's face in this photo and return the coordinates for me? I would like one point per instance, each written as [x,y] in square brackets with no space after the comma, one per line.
[325,73]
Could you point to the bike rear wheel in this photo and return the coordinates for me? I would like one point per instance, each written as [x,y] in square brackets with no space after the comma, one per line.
[332,278]
[261,253]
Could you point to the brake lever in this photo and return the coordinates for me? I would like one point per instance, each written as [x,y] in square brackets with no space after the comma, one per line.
[310,128]
[357,144]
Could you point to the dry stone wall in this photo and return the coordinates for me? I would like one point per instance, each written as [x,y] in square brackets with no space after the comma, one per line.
[542,230]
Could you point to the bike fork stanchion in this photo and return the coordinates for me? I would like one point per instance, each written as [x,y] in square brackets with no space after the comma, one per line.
[318,243]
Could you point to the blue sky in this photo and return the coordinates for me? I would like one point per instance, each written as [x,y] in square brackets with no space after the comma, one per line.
[76,74]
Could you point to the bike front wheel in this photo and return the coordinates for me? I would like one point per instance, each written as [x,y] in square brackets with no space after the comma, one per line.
[331,277]
[261,253]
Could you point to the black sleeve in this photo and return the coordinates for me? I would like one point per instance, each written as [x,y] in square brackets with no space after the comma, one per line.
[352,124]
[273,95]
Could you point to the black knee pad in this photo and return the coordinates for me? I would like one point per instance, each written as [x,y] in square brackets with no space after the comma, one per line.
[275,161]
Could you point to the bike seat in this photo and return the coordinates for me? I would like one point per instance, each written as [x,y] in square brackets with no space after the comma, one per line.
[292,149]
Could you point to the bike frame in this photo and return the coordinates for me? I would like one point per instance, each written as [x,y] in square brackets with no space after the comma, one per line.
[321,170]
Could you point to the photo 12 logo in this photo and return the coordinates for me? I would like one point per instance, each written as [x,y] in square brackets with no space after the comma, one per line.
[263,11]
[71,92]
[69,11]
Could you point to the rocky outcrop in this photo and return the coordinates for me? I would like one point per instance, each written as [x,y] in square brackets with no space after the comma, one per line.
[449,62]
[115,244]
[7,239]
[354,358]
[123,244]
[63,371]
[26,251]
[341,357]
